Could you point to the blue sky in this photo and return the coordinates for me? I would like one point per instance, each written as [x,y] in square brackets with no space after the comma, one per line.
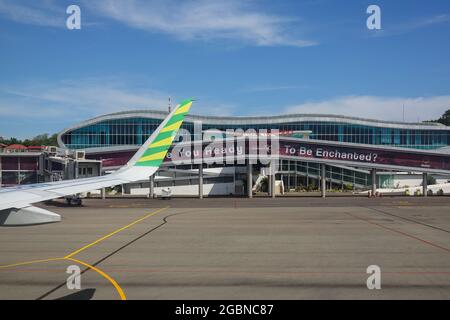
[236,57]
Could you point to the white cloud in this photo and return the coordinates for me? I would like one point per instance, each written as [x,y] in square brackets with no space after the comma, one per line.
[44,13]
[203,20]
[383,108]
[441,18]
[419,23]
[269,88]
[233,20]
[29,109]
[85,98]
[89,97]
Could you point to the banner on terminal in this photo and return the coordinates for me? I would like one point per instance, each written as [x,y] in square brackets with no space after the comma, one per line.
[302,150]
[402,158]
[329,152]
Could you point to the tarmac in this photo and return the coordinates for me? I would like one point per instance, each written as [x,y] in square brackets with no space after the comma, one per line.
[232,248]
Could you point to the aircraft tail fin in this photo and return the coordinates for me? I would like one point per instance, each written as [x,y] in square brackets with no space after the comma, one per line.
[152,153]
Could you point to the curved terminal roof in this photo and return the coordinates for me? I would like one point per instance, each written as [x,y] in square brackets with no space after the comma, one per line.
[285,118]
[248,120]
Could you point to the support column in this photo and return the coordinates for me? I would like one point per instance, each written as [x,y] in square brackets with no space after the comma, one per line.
[249,180]
[103,193]
[1,172]
[75,166]
[374,181]
[424,184]
[151,188]
[269,183]
[307,174]
[272,181]
[200,181]
[354,180]
[323,180]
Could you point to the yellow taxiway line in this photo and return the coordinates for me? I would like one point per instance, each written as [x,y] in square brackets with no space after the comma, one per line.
[70,255]
[103,274]
[29,262]
[114,232]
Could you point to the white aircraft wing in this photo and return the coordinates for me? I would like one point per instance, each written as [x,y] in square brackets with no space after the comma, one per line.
[16,202]
[23,196]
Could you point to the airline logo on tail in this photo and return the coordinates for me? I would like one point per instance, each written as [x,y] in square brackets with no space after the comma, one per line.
[157,150]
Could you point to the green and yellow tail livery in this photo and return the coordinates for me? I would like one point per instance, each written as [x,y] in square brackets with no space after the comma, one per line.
[151,154]
[155,151]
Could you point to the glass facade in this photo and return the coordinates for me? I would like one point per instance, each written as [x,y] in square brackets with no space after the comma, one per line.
[135,130]
[306,175]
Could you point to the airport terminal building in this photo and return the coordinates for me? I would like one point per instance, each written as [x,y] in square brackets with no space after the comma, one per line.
[113,139]
[134,127]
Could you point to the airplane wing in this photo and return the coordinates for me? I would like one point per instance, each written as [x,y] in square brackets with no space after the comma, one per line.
[16,202]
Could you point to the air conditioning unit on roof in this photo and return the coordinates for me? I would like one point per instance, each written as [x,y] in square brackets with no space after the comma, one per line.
[80,155]
[52,149]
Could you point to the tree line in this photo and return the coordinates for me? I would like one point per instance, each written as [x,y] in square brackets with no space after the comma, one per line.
[40,140]
[445,118]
